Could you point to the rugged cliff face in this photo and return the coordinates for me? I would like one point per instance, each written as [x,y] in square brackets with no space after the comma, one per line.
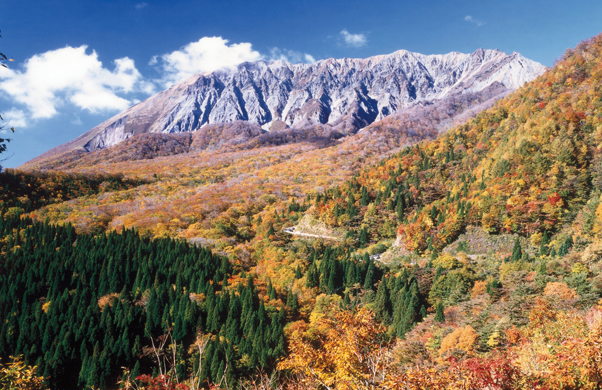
[345,94]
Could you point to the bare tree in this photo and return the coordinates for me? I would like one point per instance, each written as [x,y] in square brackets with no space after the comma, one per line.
[3,141]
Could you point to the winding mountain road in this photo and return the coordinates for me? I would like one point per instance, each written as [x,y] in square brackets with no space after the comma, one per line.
[292,230]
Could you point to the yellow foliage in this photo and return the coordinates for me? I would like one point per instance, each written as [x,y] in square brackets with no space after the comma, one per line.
[447,261]
[494,339]
[322,306]
[17,375]
[561,350]
[536,239]
[507,268]
[461,338]
[579,268]
[348,353]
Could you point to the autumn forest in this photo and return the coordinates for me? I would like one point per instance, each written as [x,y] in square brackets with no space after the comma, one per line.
[447,247]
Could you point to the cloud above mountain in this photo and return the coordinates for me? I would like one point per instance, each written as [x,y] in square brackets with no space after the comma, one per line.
[50,82]
[353,40]
[291,56]
[70,76]
[208,54]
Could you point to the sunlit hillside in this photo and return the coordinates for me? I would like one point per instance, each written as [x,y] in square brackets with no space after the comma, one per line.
[406,257]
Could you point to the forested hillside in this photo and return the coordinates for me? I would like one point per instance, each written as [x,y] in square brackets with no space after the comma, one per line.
[527,166]
[31,190]
[469,261]
[81,307]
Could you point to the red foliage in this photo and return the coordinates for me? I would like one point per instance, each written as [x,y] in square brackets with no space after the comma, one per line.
[493,373]
[162,382]
[554,199]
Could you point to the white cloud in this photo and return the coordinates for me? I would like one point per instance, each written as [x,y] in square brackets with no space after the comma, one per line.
[291,56]
[76,121]
[353,40]
[470,19]
[14,118]
[141,5]
[208,54]
[69,75]
[68,80]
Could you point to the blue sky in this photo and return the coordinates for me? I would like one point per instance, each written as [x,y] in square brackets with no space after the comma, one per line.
[79,62]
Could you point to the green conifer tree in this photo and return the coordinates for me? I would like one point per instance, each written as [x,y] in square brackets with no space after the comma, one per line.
[312,277]
[543,248]
[516,251]
[365,197]
[363,239]
[369,280]
[423,313]
[381,303]
[439,315]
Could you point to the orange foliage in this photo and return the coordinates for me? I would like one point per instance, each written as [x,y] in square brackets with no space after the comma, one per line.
[107,300]
[479,288]
[461,338]
[560,290]
[345,351]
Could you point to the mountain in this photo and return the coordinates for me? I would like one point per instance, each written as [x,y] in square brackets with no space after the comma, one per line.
[471,259]
[345,94]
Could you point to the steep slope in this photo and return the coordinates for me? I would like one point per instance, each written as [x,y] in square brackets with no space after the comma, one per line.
[347,94]
[528,166]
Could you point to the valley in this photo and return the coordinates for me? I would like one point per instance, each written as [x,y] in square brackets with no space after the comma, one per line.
[453,243]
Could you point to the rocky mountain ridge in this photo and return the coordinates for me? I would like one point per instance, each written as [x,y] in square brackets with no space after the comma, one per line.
[345,94]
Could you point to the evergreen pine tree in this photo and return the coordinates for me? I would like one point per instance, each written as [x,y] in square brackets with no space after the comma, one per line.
[270,230]
[438,273]
[215,365]
[381,303]
[439,315]
[365,197]
[423,313]
[543,268]
[136,370]
[363,239]
[516,251]
[298,274]
[351,210]
[311,277]
[206,362]
[566,245]
[543,248]
[289,298]
[399,209]
[369,280]
[220,372]
[350,279]
[332,278]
